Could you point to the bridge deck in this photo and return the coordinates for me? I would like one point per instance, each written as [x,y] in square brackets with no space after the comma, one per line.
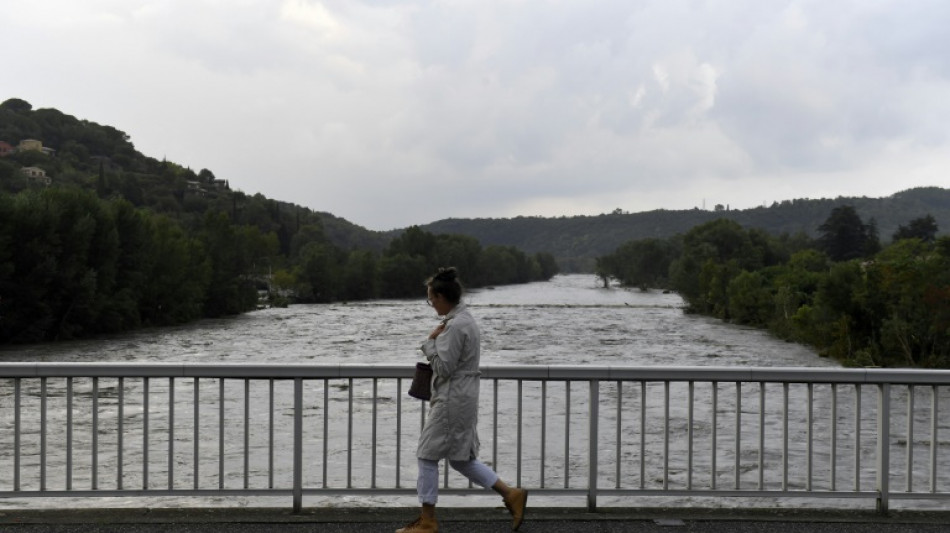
[468,520]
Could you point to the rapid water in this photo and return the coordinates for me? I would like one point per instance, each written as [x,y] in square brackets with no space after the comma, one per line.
[570,320]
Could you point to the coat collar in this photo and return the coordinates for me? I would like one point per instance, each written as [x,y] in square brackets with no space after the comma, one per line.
[454,312]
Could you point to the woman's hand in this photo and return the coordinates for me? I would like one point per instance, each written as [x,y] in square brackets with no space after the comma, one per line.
[439,329]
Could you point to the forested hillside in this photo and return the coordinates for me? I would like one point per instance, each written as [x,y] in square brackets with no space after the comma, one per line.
[575,241]
[96,237]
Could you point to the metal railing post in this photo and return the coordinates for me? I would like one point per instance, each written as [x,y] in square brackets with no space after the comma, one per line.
[884,446]
[298,445]
[592,445]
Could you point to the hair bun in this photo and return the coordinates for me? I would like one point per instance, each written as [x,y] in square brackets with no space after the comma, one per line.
[447,274]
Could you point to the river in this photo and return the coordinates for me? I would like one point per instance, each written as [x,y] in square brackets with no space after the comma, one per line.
[570,320]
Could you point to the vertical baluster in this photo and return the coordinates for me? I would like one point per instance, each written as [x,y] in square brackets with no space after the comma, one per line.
[95,433]
[520,428]
[715,430]
[270,433]
[373,456]
[398,431]
[784,436]
[326,428]
[120,437]
[810,418]
[834,436]
[666,435]
[544,421]
[171,433]
[196,438]
[69,433]
[145,409]
[349,435]
[16,434]
[619,431]
[43,434]
[857,437]
[567,434]
[690,436]
[494,424]
[761,435]
[934,397]
[247,431]
[643,433]
[738,452]
[221,433]
[910,438]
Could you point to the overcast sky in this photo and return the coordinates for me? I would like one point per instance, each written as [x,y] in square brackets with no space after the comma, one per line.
[398,112]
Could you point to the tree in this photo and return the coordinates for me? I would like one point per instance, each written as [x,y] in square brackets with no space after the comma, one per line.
[16,105]
[321,270]
[843,236]
[360,279]
[923,228]
[402,276]
[548,265]
[206,176]
[231,290]
[178,273]
[458,251]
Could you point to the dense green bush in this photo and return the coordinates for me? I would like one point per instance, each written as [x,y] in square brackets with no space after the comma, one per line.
[871,306]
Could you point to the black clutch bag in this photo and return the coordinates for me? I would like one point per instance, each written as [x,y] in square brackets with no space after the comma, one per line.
[421,387]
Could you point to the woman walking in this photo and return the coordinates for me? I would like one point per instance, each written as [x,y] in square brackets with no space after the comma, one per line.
[450,432]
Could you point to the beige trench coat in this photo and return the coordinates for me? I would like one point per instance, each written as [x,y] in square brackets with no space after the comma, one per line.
[450,430]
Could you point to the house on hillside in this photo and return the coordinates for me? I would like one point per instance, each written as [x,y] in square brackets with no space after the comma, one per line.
[37,175]
[30,144]
[6,149]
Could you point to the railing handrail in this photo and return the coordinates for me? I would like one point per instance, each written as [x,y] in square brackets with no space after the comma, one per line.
[528,372]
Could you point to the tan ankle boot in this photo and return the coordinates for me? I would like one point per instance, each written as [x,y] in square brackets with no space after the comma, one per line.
[421,525]
[516,501]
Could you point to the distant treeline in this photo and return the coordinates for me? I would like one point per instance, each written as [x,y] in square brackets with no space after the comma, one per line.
[576,241]
[841,293]
[75,265]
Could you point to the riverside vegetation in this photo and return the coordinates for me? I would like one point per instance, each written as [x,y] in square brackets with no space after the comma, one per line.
[842,293]
[121,240]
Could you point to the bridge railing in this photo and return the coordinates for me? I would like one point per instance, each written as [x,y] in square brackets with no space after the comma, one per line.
[611,435]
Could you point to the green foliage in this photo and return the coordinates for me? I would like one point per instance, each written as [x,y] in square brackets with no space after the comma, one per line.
[844,236]
[888,308]
[923,228]
[416,254]
[712,255]
[122,241]
[644,263]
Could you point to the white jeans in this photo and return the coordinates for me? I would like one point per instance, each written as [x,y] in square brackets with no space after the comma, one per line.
[427,485]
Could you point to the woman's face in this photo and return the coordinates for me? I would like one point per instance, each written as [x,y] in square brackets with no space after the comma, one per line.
[438,302]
